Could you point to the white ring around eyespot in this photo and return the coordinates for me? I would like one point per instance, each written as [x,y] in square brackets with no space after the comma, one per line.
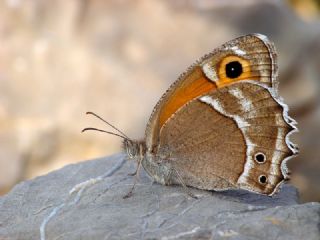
[262,182]
[265,157]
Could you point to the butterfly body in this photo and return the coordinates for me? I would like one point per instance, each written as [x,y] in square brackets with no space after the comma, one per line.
[222,124]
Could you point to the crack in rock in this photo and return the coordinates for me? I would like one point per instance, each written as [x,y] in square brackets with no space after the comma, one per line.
[78,189]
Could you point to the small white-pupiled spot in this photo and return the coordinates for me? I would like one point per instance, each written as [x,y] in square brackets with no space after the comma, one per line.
[245,103]
[210,72]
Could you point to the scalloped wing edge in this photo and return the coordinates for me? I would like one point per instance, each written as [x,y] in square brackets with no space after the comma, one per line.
[293,124]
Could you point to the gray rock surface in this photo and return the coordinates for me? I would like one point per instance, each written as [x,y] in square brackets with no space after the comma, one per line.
[56,206]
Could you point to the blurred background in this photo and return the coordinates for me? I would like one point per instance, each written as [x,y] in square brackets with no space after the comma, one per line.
[59,59]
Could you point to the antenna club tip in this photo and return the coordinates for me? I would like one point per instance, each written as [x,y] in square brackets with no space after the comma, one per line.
[88,112]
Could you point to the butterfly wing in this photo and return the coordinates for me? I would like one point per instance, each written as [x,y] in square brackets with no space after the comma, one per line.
[256,56]
[233,137]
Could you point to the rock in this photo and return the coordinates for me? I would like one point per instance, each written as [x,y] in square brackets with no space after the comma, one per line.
[85,201]
[118,65]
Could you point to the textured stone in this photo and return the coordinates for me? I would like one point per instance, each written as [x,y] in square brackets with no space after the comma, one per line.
[117,58]
[56,206]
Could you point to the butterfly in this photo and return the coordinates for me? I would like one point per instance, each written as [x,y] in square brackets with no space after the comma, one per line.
[221,125]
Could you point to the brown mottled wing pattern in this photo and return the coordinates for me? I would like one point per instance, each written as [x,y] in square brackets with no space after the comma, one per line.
[213,141]
[205,147]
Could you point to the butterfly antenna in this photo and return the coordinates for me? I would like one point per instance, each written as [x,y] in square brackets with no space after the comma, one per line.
[100,130]
[97,116]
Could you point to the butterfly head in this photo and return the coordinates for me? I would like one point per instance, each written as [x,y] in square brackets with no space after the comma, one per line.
[133,149]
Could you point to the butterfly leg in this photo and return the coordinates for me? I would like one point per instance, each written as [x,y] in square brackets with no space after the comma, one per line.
[135,172]
[180,180]
[136,176]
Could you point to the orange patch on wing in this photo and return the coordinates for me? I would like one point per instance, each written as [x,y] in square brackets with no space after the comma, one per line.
[195,85]
[247,74]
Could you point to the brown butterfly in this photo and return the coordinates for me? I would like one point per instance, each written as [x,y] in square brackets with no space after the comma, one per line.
[222,124]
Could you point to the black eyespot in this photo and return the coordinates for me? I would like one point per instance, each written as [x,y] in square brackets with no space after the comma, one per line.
[233,69]
[260,157]
[263,179]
